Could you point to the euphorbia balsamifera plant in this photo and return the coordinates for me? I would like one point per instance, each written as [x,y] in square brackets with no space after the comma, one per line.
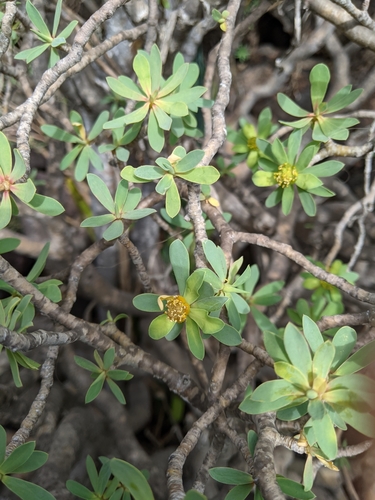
[324,127]
[195,306]
[13,183]
[283,167]
[180,165]
[159,99]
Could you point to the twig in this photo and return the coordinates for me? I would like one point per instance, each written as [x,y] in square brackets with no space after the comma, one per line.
[218,372]
[361,16]
[178,458]
[137,261]
[210,460]
[197,363]
[27,341]
[6,26]
[264,469]
[152,24]
[364,203]
[343,21]
[338,320]
[257,352]
[39,402]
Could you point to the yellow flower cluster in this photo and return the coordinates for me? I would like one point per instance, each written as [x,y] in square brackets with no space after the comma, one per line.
[287,174]
[176,307]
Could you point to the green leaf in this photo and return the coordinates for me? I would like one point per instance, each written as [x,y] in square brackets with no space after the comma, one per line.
[147,302]
[138,214]
[162,118]
[326,169]
[344,341]
[29,55]
[227,475]
[155,68]
[37,19]
[98,220]
[308,473]
[319,79]
[287,199]
[272,390]
[18,457]
[5,210]
[36,460]
[14,368]
[173,200]
[343,99]
[132,478]
[263,179]
[119,375]
[293,413]
[228,336]
[148,172]
[323,358]
[141,68]
[293,145]
[6,155]
[312,333]
[79,490]
[8,245]
[194,339]
[125,87]
[109,357]
[66,32]
[326,436]
[190,161]
[290,107]
[98,125]
[257,407]
[184,97]
[275,346]
[297,348]
[24,191]
[193,285]
[160,327]
[100,190]
[307,202]
[179,258]
[25,490]
[3,443]
[201,175]
[293,489]
[70,157]
[216,258]
[86,364]
[116,391]
[206,323]
[45,205]
[95,388]
[291,374]
[114,231]
[19,169]
[316,409]
[362,422]
[173,82]
[155,133]
[39,264]
[360,359]
[194,495]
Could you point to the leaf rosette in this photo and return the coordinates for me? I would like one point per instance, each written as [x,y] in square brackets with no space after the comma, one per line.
[121,208]
[158,99]
[323,126]
[283,167]
[180,165]
[318,378]
[194,307]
